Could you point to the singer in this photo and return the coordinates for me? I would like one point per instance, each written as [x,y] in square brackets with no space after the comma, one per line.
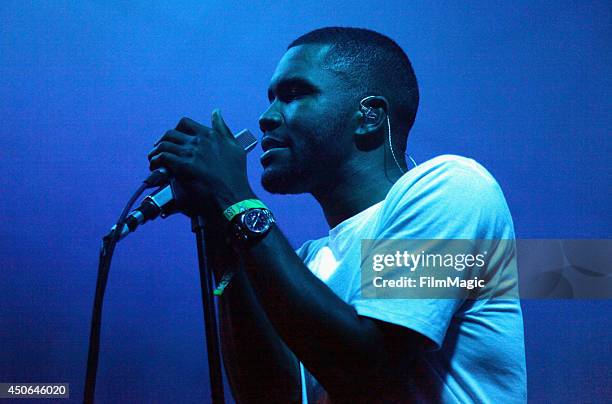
[294,325]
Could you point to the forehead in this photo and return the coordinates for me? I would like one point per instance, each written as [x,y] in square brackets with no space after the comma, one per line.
[305,62]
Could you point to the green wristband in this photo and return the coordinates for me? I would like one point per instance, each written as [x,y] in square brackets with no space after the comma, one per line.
[225,280]
[240,207]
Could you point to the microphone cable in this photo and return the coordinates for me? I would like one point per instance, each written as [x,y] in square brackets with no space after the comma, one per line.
[106,254]
[157,178]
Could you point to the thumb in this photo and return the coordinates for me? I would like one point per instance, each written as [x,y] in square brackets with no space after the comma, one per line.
[219,125]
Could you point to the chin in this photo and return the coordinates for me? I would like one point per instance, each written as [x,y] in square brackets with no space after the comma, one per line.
[277,181]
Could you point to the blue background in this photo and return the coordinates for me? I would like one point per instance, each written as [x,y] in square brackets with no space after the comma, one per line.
[87,88]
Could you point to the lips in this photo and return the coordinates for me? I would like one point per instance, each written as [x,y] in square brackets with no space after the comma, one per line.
[269,142]
[271,147]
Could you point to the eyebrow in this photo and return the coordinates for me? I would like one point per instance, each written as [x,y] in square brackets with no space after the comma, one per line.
[291,82]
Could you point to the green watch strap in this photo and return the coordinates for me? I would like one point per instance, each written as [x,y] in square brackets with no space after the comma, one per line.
[240,207]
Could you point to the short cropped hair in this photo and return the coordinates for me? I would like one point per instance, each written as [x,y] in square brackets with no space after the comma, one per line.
[376,65]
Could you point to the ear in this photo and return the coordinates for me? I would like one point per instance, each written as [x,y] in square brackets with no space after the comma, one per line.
[372,121]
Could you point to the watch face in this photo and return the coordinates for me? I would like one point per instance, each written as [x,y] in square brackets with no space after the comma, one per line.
[257,220]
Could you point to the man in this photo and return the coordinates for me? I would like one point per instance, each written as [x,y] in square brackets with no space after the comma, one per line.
[296,326]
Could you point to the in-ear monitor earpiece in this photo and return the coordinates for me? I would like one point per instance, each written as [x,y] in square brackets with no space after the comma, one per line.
[371,116]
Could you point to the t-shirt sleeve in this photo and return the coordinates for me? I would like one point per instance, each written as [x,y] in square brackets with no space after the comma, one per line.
[450,198]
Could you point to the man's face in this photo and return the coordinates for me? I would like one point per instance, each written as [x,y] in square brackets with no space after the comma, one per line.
[307,135]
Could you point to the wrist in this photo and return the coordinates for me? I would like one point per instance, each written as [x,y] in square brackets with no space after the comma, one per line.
[226,200]
[250,220]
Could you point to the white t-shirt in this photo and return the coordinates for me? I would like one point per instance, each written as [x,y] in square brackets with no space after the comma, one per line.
[478,352]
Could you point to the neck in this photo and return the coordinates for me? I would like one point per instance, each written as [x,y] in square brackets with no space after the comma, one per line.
[354,192]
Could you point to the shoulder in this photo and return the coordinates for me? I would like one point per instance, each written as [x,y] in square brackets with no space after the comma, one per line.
[449,190]
[447,177]
[447,171]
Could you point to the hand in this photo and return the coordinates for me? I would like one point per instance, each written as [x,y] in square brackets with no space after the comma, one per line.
[207,163]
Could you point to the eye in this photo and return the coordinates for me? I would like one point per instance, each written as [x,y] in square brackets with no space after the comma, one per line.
[294,92]
[291,90]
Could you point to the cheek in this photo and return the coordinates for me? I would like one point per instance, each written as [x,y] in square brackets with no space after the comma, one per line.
[300,116]
[311,111]
[315,129]
[303,127]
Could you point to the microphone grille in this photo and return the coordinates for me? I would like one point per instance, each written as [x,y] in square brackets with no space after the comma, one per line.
[246,139]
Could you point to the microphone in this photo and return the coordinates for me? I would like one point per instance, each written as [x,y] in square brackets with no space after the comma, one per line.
[162,201]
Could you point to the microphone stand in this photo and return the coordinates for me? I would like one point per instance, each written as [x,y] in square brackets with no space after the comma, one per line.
[210,318]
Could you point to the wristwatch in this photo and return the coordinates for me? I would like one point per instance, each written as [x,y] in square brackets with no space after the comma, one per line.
[252,225]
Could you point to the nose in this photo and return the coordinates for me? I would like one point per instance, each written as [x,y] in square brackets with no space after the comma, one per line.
[270,120]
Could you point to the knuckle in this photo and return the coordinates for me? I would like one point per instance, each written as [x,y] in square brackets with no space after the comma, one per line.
[187,123]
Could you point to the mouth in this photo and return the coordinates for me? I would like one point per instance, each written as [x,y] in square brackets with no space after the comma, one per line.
[267,156]
[271,146]
[269,142]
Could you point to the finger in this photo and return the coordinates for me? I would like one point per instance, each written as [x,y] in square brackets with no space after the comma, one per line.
[218,124]
[165,159]
[167,147]
[174,136]
[189,126]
